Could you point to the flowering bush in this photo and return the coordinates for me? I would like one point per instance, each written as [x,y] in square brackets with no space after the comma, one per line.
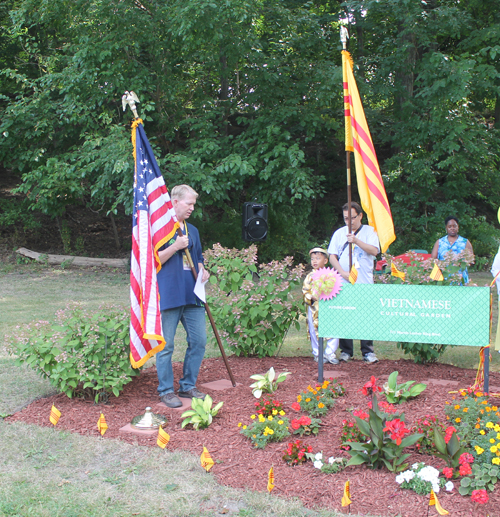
[330,466]
[264,430]
[421,478]
[252,304]
[83,353]
[350,431]
[296,452]
[318,400]
[425,426]
[486,444]
[386,441]
[268,406]
[306,426]
[479,496]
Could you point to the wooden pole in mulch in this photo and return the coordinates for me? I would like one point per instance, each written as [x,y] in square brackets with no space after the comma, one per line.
[210,317]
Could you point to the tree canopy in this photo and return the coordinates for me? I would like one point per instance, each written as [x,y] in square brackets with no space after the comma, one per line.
[242,99]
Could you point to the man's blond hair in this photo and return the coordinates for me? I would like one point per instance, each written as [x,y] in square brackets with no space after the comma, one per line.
[181,191]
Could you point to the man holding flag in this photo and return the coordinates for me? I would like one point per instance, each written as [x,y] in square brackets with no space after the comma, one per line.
[179,303]
[364,241]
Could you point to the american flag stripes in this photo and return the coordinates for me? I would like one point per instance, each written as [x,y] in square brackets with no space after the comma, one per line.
[154,223]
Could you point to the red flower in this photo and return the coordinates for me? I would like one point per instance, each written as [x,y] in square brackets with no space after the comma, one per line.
[296,406]
[479,496]
[397,429]
[448,472]
[465,458]
[295,424]
[370,386]
[305,420]
[465,469]
[360,414]
[449,433]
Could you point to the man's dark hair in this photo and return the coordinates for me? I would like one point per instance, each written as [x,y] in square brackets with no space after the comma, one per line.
[450,218]
[354,205]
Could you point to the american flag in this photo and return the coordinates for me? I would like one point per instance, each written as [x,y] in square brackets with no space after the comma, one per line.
[154,223]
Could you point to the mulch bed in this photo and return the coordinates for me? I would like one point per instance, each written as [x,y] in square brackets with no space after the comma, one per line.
[239,465]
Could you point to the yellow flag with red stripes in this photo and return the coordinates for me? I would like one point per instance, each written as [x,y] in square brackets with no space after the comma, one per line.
[433,501]
[55,415]
[206,460]
[353,275]
[436,274]
[396,272]
[346,498]
[270,479]
[102,426]
[163,438]
[358,140]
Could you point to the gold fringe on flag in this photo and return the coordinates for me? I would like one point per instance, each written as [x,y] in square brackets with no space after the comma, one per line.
[396,272]
[436,274]
[55,415]
[353,275]
[270,479]
[433,501]
[102,426]
[206,460]
[163,438]
[346,498]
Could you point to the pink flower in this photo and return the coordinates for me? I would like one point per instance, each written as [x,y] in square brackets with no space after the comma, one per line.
[466,457]
[479,496]
[448,472]
[465,469]
[295,424]
[305,420]
[296,406]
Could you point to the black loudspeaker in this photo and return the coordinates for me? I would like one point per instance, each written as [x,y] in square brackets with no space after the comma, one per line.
[254,222]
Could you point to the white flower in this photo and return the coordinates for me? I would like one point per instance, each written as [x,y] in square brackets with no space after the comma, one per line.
[331,459]
[318,456]
[449,486]
[415,466]
[318,464]
[429,473]
[405,476]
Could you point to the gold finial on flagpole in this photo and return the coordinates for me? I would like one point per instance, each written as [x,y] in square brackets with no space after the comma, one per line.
[130,98]
[343,36]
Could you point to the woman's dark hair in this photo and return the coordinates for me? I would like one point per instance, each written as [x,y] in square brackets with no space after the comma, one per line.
[450,218]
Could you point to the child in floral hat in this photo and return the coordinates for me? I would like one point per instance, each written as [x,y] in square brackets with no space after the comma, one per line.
[319,259]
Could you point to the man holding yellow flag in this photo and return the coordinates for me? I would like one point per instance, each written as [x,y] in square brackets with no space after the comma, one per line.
[365,244]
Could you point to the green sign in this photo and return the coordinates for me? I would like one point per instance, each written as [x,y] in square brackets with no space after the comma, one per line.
[448,315]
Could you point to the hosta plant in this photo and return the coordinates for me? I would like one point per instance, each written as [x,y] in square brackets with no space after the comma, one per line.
[397,393]
[267,382]
[201,414]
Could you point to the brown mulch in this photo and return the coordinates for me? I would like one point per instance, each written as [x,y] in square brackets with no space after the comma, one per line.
[241,466]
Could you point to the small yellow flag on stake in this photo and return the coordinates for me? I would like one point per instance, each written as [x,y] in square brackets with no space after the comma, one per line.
[55,415]
[206,460]
[270,479]
[433,501]
[396,272]
[102,426]
[436,274]
[353,275]
[346,498]
[163,438]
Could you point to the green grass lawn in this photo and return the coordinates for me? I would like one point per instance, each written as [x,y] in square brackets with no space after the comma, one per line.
[47,472]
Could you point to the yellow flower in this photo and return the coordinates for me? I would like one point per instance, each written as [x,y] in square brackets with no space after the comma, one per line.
[490,425]
[458,420]
[484,402]
[447,418]
[321,405]
[493,448]
[479,450]
[299,398]
[275,412]
[271,431]
[477,426]
[240,424]
[325,385]
[447,402]
[494,408]
[497,428]
[309,388]
[280,422]
[481,411]
[457,406]
[265,432]
[498,436]
[488,409]
[253,417]
[495,461]
[254,436]
[282,413]
[270,417]
[492,440]
[308,400]
[261,418]
[482,431]
[244,427]
[465,409]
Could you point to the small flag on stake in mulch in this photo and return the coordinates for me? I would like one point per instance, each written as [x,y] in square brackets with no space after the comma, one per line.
[436,274]
[433,501]
[353,275]
[206,460]
[163,438]
[102,426]
[55,415]
[270,479]
[396,272]
[346,498]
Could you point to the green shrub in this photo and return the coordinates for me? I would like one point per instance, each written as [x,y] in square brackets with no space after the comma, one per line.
[252,306]
[83,353]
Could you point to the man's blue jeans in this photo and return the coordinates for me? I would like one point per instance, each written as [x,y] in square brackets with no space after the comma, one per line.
[192,318]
